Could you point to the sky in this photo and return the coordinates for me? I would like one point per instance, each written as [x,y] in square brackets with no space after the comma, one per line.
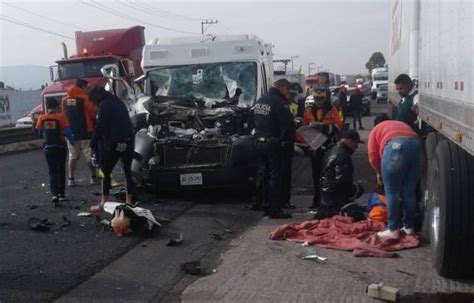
[335,35]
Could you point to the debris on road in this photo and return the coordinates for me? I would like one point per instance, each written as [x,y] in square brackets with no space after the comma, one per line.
[176,240]
[383,292]
[37,224]
[13,214]
[84,214]
[405,272]
[193,268]
[216,236]
[314,257]
[126,217]
[66,222]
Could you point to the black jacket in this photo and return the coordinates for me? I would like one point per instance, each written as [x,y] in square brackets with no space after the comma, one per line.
[337,173]
[355,102]
[113,122]
[273,118]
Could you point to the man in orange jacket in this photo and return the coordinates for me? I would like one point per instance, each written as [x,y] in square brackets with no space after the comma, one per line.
[325,118]
[80,113]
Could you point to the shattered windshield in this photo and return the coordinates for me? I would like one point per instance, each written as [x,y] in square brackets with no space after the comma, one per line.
[234,81]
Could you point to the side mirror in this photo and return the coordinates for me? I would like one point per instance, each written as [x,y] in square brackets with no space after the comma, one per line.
[110,71]
[53,73]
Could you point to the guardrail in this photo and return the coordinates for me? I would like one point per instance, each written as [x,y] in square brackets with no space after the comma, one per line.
[14,135]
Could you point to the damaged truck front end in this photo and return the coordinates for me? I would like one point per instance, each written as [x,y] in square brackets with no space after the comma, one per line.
[187,144]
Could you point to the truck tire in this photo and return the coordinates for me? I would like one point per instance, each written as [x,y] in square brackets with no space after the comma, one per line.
[451,211]
[430,144]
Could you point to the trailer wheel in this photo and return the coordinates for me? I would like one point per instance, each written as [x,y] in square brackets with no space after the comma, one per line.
[430,144]
[451,211]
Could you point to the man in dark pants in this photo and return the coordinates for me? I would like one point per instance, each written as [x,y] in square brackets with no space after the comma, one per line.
[355,102]
[273,126]
[288,149]
[114,129]
[53,126]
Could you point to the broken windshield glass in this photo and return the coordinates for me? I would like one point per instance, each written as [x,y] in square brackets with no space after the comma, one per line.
[234,81]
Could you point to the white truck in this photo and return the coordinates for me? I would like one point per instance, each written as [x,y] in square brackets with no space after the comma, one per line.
[379,76]
[432,42]
[197,111]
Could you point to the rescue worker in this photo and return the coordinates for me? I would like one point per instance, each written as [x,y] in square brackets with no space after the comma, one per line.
[337,176]
[395,151]
[355,102]
[80,113]
[407,109]
[273,127]
[325,118]
[115,131]
[293,104]
[54,127]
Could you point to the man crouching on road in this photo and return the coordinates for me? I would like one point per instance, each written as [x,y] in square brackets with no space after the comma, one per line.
[336,183]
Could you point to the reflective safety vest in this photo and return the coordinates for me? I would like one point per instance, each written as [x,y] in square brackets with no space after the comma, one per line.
[74,111]
[52,132]
[294,109]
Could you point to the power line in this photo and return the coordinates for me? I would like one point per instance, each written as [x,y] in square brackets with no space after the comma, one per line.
[167,13]
[42,16]
[21,23]
[122,15]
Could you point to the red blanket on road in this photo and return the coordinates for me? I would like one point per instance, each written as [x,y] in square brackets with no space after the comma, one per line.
[344,234]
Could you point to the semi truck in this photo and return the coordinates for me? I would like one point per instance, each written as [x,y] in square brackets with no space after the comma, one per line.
[432,42]
[197,118]
[378,76]
[94,49]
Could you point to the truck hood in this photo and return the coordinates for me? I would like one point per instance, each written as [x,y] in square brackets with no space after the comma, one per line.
[63,85]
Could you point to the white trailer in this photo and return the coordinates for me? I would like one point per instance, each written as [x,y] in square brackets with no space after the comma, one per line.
[432,42]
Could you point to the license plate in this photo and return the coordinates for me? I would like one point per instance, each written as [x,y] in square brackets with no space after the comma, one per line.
[190,179]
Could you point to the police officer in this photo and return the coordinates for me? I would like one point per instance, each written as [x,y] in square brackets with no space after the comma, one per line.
[273,126]
[80,113]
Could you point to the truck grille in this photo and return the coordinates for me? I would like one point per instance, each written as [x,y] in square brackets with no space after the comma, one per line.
[188,156]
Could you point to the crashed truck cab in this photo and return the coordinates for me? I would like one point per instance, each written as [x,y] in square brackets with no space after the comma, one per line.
[195,118]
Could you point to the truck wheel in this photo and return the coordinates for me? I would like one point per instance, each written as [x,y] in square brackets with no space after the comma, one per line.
[430,144]
[451,211]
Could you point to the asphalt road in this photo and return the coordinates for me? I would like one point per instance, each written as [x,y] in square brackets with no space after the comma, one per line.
[41,267]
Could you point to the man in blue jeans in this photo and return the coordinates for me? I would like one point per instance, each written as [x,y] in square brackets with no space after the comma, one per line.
[394,151]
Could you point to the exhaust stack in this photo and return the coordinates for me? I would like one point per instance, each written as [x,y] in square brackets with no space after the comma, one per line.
[64,50]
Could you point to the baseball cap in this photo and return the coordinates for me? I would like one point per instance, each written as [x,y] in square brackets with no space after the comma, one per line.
[351,134]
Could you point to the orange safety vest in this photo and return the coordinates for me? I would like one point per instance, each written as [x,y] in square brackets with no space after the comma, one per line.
[379,212]
[331,117]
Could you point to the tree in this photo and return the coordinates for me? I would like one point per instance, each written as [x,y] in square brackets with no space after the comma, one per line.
[376,60]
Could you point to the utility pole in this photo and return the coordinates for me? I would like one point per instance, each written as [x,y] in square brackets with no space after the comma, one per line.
[310,67]
[207,22]
[293,57]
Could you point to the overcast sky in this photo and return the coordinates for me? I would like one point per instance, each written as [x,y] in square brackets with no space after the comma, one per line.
[337,35]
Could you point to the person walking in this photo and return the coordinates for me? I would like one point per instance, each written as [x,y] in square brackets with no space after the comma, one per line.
[273,126]
[80,113]
[54,127]
[325,118]
[394,151]
[355,102]
[114,131]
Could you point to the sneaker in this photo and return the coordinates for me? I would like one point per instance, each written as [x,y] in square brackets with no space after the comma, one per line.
[280,215]
[62,197]
[55,201]
[388,234]
[96,208]
[408,230]
[71,183]
[94,180]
